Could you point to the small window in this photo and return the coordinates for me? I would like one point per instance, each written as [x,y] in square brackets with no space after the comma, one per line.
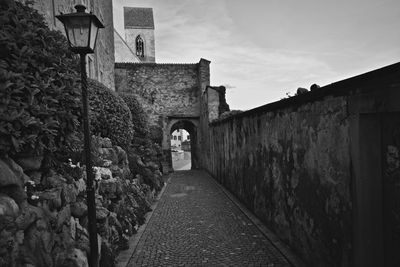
[188,137]
[179,138]
[139,46]
[174,137]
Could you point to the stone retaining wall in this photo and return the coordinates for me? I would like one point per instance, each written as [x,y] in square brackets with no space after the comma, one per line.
[43,214]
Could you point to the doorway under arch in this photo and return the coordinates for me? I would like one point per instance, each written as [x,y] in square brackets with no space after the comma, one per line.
[190,126]
[180,150]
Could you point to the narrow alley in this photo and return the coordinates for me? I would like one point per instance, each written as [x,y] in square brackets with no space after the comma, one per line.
[196,224]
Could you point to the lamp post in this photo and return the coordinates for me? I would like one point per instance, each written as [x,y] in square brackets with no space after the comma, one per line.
[81,29]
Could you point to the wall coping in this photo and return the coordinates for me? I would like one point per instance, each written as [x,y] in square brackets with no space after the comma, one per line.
[182,117]
[122,65]
[379,79]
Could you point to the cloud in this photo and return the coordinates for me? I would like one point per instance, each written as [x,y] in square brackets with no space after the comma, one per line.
[265,53]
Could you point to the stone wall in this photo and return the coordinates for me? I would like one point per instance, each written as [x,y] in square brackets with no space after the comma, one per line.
[162,89]
[103,58]
[170,95]
[297,164]
[43,214]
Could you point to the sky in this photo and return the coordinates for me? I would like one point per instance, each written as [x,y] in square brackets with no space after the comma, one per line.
[262,50]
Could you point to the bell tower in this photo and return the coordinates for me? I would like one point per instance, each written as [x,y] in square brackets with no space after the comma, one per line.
[139,32]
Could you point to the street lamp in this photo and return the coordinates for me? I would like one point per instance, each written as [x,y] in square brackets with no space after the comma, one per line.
[81,29]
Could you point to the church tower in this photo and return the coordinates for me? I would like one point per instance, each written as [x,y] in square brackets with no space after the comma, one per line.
[139,32]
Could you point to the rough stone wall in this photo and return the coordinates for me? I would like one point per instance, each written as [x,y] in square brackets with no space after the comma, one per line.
[169,94]
[204,81]
[43,214]
[104,52]
[299,164]
[162,89]
[149,44]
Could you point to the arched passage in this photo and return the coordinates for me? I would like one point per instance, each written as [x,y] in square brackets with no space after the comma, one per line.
[191,126]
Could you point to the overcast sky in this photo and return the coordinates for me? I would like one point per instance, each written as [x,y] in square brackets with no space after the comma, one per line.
[262,49]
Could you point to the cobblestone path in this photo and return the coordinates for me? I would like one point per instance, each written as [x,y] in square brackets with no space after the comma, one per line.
[196,224]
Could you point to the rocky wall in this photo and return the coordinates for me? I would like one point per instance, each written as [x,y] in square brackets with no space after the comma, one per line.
[43,214]
[291,168]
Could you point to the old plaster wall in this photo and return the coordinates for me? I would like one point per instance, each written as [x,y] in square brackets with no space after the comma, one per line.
[299,165]
[148,39]
[123,53]
[291,167]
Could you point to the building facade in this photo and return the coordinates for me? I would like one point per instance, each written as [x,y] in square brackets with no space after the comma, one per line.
[178,137]
[139,32]
[123,53]
[100,65]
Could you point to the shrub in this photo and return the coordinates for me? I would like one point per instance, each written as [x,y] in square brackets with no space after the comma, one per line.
[39,90]
[156,134]
[139,119]
[109,115]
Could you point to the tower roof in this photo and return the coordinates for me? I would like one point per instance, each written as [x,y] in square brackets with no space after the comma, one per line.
[138,17]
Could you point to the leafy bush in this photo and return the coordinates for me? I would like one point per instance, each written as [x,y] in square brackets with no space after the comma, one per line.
[109,115]
[39,90]
[156,134]
[139,119]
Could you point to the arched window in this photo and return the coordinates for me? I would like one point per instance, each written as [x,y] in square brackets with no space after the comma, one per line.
[139,46]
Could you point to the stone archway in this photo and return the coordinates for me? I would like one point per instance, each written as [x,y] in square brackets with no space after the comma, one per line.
[191,126]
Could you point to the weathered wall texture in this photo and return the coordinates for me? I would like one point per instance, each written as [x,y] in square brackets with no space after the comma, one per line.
[169,94]
[103,58]
[295,163]
[291,168]
[162,89]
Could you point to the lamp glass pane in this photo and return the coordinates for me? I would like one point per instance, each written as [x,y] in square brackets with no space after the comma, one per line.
[78,31]
[93,34]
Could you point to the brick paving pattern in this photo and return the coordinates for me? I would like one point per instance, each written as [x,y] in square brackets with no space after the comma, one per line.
[196,224]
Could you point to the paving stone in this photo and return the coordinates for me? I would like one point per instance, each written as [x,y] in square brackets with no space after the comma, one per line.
[196,224]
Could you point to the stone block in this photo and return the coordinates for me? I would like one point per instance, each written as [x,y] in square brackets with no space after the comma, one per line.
[78,209]
[10,173]
[29,215]
[63,216]
[72,258]
[69,193]
[54,180]
[8,207]
[52,197]
[101,213]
